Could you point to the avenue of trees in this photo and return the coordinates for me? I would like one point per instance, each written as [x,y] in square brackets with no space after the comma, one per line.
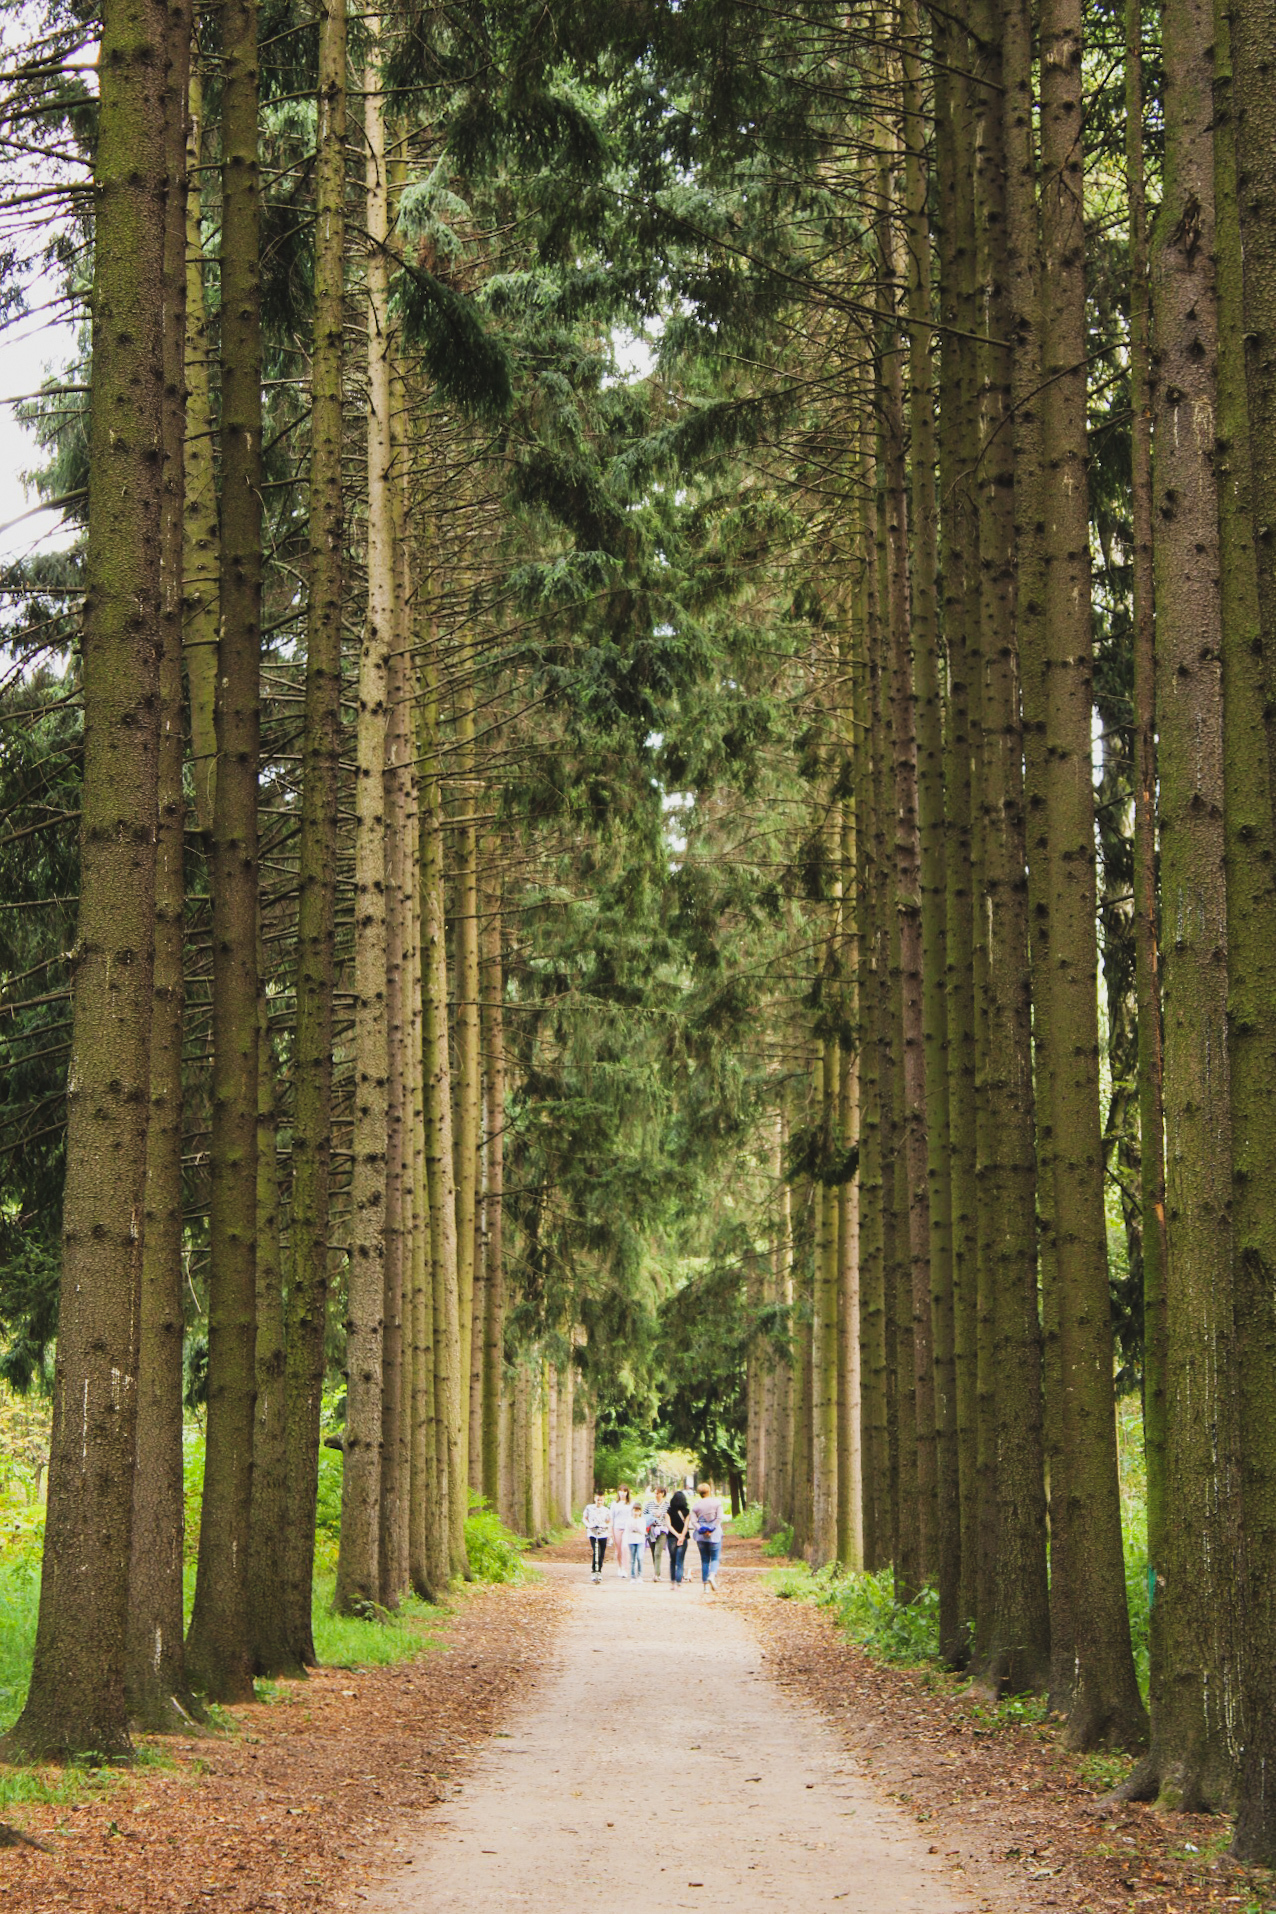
[649,793]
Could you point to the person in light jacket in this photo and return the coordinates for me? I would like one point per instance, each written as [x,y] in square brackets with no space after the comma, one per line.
[597,1520]
[706,1526]
[619,1523]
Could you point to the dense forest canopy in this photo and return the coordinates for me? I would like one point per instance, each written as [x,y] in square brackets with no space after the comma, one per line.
[642,814]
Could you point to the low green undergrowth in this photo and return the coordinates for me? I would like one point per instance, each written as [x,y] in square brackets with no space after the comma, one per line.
[864,1607]
[495,1553]
[373,1641]
[748,1524]
[781,1543]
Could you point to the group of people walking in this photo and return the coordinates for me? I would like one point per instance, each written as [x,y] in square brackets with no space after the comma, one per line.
[658,1525]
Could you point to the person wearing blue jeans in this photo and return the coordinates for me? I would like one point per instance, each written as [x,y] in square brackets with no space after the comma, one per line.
[706,1525]
[679,1534]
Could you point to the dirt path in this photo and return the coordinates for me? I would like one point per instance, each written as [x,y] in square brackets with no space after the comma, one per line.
[656,1767]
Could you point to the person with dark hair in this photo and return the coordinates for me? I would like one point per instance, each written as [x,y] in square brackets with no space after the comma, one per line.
[679,1515]
[597,1520]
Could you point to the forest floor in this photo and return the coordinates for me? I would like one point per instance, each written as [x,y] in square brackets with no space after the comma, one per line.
[560,1744]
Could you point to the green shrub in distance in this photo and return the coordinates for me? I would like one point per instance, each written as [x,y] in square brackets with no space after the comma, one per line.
[748,1523]
[495,1552]
[781,1542]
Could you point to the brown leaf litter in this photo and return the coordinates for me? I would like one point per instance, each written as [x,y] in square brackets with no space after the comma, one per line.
[1020,1820]
[294,1810]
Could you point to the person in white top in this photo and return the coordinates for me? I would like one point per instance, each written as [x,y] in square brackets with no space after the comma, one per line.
[619,1523]
[636,1540]
[597,1520]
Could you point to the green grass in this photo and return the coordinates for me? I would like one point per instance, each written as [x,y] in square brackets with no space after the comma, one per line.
[377,1641]
[748,1524]
[19,1601]
[864,1607]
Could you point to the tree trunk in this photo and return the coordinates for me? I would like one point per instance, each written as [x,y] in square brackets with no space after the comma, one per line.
[824,1325]
[396,1348]
[1146,914]
[493,1035]
[780,1444]
[850,1471]
[358,1562]
[219,1650]
[957,447]
[868,876]
[911,1112]
[155,1675]
[1189,1762]
[1106,1707]
[427,1520]
[946,1562]
[267,1611]
[1249,689]
[468,1087]
[76,1702]
[1016,1640]
[451,1491]
[317,855]
[201,546]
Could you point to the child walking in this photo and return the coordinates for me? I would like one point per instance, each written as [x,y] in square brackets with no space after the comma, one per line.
[636,1540]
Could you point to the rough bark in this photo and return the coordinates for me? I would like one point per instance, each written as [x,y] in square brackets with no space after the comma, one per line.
[219,1651]
[1194,1693]
[1147,934]
[358,1563]
[912,1114]
[316,858]
[467,1088]
[396,1347]
[201,554]
[451,1489]
[267,1611]
[1250,685]
[493,1039]
[873,1418]
[155,1678]
[75,1701]
[1106,1707]
[960,571]
[1015,1642]
[932,846]
[824,1324]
